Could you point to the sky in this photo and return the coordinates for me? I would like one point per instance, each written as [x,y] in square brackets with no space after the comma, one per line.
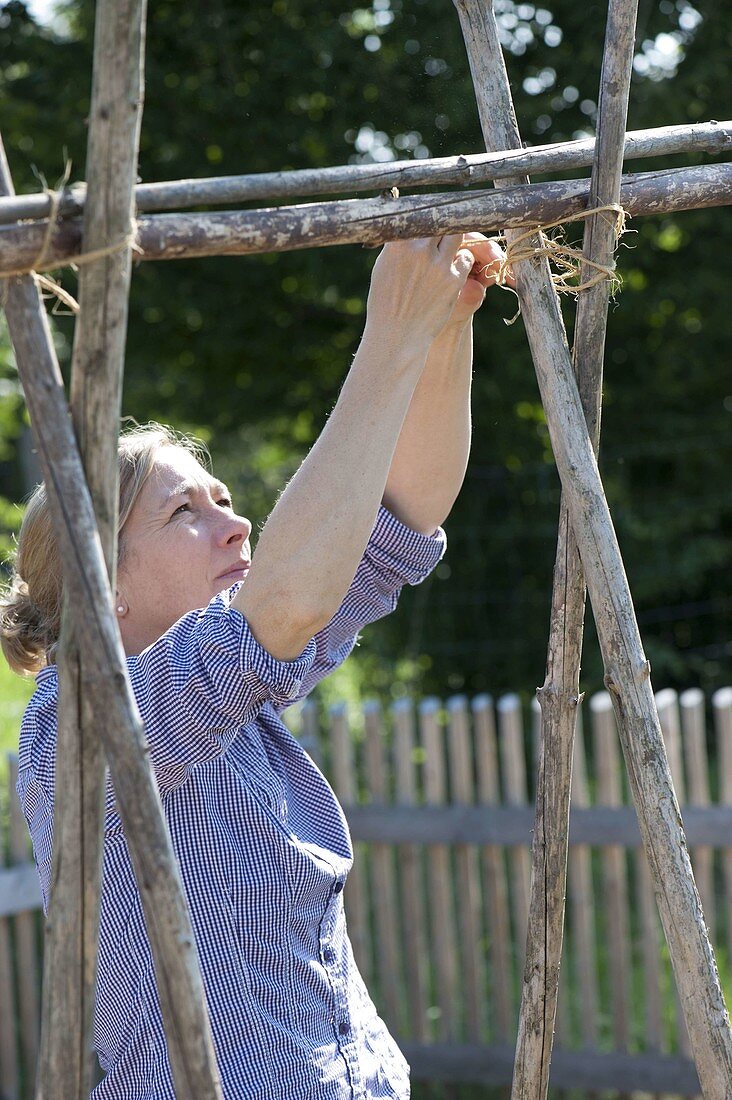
[41,10]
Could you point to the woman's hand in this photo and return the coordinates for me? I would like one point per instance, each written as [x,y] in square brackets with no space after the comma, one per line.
[487,259]
[434,443]
[415,286]
[309,549]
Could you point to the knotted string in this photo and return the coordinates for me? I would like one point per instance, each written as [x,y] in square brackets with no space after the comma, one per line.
[565,257]
[46,282]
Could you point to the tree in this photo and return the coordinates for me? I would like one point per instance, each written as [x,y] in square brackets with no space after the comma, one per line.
[249,352]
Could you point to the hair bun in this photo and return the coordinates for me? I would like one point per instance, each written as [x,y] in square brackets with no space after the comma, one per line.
[24,629]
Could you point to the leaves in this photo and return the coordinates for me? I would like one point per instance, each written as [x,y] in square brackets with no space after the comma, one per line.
[250,352]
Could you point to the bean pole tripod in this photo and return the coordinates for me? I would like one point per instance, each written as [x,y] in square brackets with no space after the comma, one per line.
[105,222]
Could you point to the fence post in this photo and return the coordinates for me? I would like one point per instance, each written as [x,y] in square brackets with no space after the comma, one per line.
[614,872]
[693,725]
[494,872]
[411,882]
[582,901]
[722,710]
[9,1068]
[385,914]
[470,930]
[667,704]
[442,912]
[345,784]
[513,770]
[29,1002]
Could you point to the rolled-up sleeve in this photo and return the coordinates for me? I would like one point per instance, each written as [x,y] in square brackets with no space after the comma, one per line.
[202,681]
[196,687]
[395,555]
[400,554]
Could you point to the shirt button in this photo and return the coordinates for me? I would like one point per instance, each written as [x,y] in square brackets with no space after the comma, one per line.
[338,887]
[329,955]
[343,1028]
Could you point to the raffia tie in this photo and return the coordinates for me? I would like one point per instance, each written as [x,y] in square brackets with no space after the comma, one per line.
[567,259]
[46,282]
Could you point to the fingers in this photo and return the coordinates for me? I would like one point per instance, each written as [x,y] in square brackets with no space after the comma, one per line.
[464,262]
[485,250]
[449,244]
[455,240]
[489,261]
[465,253]
[488,258]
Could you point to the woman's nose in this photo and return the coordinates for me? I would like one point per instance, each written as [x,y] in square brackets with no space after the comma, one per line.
[238,529]
[244,526]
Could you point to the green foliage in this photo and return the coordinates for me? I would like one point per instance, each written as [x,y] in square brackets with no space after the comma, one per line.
[250,352]
[15,691]
[10,520]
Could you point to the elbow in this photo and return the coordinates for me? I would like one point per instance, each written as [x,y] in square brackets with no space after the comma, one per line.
[418,512]
[303,619]
[282,622]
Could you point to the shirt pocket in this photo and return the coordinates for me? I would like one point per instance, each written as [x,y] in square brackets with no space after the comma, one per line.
[249,760]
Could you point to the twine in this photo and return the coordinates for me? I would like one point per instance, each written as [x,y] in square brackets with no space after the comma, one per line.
[565,257]
[46,282]
[55,200]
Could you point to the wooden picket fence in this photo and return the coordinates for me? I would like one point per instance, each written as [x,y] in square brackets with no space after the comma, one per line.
[440,805]
[21,939]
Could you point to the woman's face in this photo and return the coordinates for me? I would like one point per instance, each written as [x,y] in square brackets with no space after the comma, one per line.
[182,544]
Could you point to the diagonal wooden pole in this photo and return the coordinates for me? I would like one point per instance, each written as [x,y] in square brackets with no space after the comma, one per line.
[627,671]
[66,1063]
[180,988]
[95,697]
[560,694]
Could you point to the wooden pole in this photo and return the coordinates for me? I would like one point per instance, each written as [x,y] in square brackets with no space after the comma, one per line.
[560,694]
[370,221]
[66,1068]
[564,156]
[180,988]
[627,670]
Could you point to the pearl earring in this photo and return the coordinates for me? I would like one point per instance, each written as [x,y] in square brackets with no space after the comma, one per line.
[120,609]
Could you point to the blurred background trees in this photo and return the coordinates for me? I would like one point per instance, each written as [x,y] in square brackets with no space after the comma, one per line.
[249,353]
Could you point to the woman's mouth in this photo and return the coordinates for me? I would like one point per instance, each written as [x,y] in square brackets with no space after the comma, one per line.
[236,572]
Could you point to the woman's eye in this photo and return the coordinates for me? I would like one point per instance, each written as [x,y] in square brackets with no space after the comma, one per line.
[181,508]
[224,502]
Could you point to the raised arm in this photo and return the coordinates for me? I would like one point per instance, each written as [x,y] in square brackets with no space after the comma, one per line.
[310,546]
[431,455]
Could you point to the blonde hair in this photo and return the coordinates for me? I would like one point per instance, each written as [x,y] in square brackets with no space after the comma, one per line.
[30,605]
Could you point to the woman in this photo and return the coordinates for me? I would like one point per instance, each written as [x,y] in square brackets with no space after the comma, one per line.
[219,642]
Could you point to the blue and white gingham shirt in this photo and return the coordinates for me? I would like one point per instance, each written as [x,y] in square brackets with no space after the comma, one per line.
[264,851]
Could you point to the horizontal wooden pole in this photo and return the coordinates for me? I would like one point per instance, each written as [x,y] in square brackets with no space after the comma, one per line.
[512,825]
[587,1069]
[370,221]
[20,889]
[565,156]
[503,826]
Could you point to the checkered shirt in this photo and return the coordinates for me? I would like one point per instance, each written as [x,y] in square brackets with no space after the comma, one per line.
[264,851]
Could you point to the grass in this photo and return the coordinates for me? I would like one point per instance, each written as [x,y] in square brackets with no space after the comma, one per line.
[15,691]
